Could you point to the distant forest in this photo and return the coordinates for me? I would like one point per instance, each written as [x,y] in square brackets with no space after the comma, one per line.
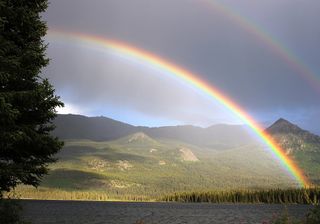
[268,196]
[273,196]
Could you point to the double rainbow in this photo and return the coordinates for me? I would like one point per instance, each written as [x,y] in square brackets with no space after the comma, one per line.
[192,79]
[285,54]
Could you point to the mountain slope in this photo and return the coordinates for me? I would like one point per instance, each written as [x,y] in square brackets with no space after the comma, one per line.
[292,138]
[299,144]
[94,128]
[147,167]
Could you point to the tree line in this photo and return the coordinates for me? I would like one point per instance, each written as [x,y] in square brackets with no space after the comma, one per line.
[276,196]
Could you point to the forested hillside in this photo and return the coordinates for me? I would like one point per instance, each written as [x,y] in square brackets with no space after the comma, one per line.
[152,162]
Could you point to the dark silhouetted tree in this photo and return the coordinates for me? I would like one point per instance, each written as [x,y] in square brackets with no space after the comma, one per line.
[27,101]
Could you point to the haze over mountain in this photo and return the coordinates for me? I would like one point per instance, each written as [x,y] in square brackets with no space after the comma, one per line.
[105,129]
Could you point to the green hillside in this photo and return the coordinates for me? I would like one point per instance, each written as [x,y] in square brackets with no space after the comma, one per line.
[140,167]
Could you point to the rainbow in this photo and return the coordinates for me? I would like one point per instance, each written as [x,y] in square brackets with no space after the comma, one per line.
[188,78]
[275,46]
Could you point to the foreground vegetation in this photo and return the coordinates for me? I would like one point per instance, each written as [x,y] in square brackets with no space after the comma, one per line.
[25,192]
[278,196]
[268,196]
[27,99]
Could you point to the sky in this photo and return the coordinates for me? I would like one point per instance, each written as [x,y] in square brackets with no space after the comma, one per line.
[231,45]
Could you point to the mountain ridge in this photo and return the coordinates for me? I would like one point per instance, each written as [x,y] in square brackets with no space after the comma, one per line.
[283,126]
[291,137]
[105,129]
[149,162]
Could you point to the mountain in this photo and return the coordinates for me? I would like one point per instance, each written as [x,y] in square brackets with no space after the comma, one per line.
[93,128]
[104,129]
[292,138]
[299,144]
[104,158]
[282,126]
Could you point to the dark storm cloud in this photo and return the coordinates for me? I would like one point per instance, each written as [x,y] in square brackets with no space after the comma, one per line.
[206,41]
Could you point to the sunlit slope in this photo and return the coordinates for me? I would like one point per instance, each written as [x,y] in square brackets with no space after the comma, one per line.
[150,162]
[140,165]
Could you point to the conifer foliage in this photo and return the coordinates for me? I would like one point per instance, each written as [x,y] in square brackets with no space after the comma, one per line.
[27,101]
[268,196]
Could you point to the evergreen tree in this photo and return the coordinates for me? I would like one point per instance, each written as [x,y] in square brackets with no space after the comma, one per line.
[27,101]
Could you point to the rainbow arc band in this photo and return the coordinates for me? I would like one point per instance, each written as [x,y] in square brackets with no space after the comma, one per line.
[285,54]
[191,79]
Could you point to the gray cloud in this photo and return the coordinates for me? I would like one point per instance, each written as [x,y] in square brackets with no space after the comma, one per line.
[96,81]
[199,38]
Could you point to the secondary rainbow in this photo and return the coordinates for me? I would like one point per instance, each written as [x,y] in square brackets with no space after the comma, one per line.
[279,49]
[189,78]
